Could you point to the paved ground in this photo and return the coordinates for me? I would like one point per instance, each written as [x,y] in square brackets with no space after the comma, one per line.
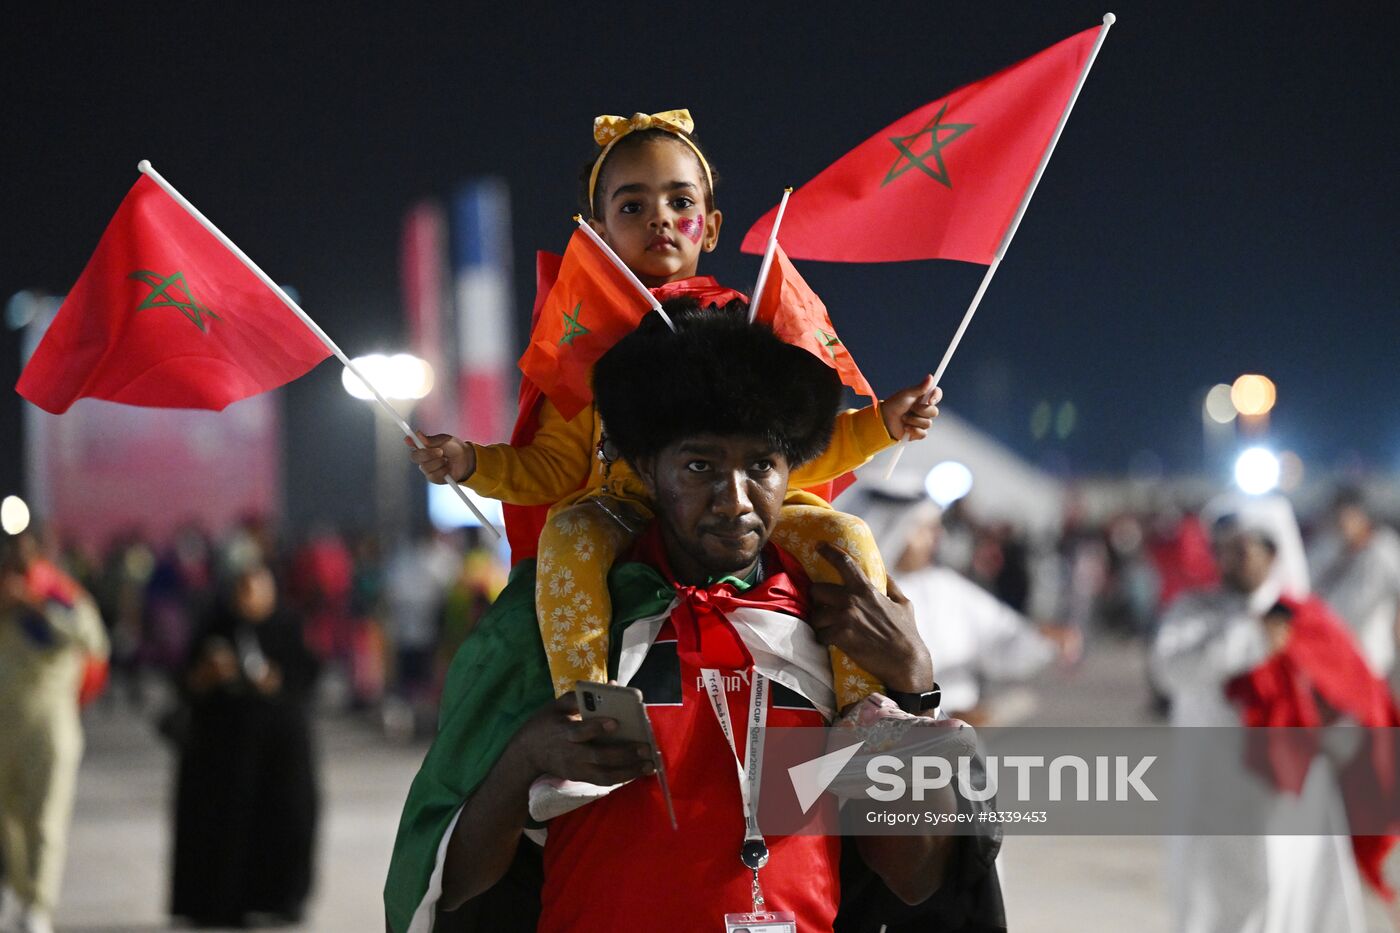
[1068,884]
[117,876]
[117,880]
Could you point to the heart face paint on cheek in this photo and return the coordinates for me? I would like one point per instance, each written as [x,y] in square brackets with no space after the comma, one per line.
[692,227]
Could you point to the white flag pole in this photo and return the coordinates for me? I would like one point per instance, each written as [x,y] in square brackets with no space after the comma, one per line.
[622,267]
[149,171]
[768,256]
[1108,20]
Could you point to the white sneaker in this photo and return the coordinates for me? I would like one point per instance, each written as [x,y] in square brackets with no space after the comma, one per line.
[35,920]
[10,910]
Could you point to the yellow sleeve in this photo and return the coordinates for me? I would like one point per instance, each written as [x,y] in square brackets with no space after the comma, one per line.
[859,435]
[553,465]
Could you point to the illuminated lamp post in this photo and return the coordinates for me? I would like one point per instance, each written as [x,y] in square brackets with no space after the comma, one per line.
[404,380]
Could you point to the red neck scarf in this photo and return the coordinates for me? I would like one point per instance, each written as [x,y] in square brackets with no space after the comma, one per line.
[705,637]
[703,288]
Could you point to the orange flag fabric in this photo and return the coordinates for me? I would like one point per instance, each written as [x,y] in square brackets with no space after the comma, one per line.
[798,316]
[591,307]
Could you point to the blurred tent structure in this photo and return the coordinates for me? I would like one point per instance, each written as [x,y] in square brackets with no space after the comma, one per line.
[1005,487]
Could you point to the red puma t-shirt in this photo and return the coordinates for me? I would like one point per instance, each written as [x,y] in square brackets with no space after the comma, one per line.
[616,864]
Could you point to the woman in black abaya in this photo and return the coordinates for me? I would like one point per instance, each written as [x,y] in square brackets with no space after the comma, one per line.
[246,801]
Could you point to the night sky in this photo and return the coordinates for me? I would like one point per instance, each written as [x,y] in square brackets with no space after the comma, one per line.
[1223,199]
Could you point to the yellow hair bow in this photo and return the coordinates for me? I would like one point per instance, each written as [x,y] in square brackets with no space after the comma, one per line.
[609,129]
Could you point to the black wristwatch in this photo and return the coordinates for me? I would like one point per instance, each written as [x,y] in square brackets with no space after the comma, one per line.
[917,703]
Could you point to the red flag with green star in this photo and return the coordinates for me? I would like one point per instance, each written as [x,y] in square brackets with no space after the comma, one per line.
[943,182]
[165,316]
[591,307]
[798,316]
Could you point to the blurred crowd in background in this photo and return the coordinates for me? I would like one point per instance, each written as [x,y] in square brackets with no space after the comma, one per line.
[384,623]
[233,647]
[230,648]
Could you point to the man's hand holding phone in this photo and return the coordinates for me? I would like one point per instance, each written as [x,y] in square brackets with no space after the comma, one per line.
[557,741]
[625,708]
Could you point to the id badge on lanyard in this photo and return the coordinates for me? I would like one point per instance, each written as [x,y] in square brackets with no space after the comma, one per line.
[782,921]
[753,853]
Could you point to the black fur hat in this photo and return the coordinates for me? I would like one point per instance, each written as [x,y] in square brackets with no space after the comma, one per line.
[717,374]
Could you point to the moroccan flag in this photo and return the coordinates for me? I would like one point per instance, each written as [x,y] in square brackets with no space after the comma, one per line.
[943,182]
[798,316]
[591,307]
[165,316]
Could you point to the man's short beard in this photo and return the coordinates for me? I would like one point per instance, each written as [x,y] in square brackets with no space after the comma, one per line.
[714,566]
[734,568]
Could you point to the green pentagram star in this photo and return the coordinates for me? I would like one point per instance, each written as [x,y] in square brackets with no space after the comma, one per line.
[830,341]
[572,327]
[162,296]
[939,135]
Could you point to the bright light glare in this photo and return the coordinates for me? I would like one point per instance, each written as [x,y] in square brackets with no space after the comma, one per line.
[401,376]
[1257,471]
[948,482]
[14,515]
[1219,408]
[1253,395]
[447,512]
[21,309]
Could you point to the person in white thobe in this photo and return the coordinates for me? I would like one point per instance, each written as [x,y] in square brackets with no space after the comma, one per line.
[1358,575]
[971,635]
[1249,884]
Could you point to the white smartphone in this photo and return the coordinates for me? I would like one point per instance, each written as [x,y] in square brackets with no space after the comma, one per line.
[625,706]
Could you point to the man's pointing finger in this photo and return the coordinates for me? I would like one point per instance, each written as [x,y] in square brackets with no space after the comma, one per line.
[845,565]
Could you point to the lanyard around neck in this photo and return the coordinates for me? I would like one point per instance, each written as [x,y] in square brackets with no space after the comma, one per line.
[750,770]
